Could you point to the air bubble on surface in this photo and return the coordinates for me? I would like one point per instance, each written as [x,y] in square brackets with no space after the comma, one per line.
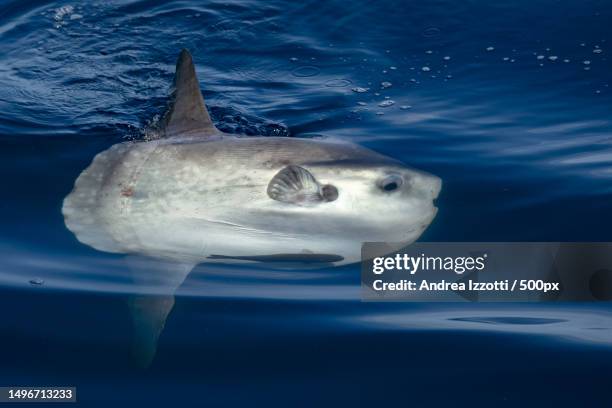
[385,84]
[431,32]
[405,107]
[359,89]
[425,69]
[63,11]
[597,51]
[387,103]
[338,83]
[446,58]
[553,57]
[306,71]
[37,282]
[540,57]
[490,48]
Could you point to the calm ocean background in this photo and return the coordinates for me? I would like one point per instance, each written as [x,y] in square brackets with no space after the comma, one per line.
[508,102]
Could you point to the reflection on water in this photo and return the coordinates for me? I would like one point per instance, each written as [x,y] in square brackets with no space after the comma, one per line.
[508,320]
[115,275]
[579,323]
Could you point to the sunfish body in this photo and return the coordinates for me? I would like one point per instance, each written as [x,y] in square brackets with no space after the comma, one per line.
[200,195]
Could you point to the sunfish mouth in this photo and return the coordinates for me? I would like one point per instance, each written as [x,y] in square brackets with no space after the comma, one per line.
[435,192]
[436,187]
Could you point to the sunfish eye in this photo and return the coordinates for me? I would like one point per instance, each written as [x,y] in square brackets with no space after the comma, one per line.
[329,192]
[391,183]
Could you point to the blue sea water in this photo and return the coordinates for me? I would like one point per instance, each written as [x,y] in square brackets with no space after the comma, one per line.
[508,102]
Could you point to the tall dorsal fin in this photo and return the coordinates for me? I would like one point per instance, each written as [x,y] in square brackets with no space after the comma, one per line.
[187,111]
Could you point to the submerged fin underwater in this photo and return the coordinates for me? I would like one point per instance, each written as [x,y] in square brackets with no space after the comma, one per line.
[306,204]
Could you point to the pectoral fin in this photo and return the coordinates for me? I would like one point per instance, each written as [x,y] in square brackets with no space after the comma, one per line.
[295,185]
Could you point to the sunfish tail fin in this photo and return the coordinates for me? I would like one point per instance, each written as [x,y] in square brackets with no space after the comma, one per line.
[187,112]
[149,312]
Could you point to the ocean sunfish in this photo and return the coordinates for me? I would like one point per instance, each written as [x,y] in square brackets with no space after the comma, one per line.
[198,195]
